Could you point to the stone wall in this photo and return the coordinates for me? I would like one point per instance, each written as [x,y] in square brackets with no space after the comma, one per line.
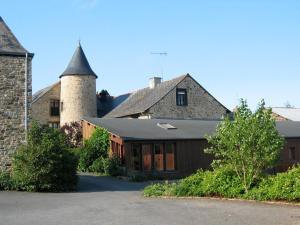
[41,106]
[12,105]
[201,105]
[78,98]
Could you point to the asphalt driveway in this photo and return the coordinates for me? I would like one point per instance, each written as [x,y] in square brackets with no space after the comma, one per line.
[108,201]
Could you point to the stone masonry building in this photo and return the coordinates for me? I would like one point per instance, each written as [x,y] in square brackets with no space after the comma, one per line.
[178,98]
[15,93]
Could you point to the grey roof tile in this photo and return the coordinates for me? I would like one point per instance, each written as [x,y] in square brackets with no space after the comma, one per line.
[9,44]
[78,65]
[137,129]
[37,95]
[292,114]
[143,99]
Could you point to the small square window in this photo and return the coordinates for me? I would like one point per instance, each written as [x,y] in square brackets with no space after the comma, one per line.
[181,97]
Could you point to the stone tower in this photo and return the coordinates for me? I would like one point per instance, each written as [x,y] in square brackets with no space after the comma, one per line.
[78,90]
[15,94]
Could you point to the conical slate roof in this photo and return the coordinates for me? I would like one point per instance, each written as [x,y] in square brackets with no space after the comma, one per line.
[78,65]
[9,44]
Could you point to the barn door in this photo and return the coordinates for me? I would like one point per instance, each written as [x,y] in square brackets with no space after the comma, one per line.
[147,157]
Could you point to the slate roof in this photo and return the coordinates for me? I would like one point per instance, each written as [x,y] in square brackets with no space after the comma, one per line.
[139,129]
[292,114]
[108,104]
[78,65]
[9,44]
[141,100]
[37,95]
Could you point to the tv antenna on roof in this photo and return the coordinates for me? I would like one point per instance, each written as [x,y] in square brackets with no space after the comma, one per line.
[160,54]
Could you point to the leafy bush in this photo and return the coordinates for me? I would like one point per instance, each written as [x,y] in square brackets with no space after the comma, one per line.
[164,189]
[6,183]
[250,143]
[73,132]
[97,166]
[44,164]
[223,182]
[94,148]
[283,186]
[111,166]
[220,182]
[192,185]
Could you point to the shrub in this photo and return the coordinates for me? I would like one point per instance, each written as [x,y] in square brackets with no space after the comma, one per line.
[44,164]
[94,148]
[283,186]
[97,166]
[73,132]
[250,143]
[164,189]
[192,185]
[221,182]
[111,166]
[6,183]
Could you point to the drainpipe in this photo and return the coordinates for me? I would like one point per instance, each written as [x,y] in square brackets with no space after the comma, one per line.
[26,96]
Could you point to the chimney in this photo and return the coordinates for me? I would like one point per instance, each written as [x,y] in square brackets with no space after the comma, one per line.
[154,82]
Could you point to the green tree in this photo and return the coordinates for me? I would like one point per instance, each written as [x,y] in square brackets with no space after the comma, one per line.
[44,163]
[249,144]
[95,147]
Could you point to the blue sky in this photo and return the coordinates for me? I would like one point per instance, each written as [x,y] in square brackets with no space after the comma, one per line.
[234,48]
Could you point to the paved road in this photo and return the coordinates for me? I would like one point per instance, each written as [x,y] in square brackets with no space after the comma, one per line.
[108,201]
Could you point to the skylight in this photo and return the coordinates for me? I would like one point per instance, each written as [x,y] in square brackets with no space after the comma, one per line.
[166,126]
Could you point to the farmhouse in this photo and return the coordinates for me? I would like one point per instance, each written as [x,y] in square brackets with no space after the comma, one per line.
[15,93]
[173,148]
[74,96]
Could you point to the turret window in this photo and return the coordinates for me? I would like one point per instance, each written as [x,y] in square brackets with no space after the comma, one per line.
[54,107]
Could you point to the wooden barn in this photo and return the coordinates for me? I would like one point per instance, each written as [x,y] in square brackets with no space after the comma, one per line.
[174,148]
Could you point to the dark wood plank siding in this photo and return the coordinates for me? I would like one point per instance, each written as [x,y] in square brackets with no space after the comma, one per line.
[189,155]
[285,161]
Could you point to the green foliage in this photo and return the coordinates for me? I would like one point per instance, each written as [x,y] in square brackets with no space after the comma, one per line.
[111,166]
[159,189]
[221,182]
[97,166]
[44,164]
[283,186]
[94,148]
[191,185]
[73,133]
[249,144]
[6,183]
